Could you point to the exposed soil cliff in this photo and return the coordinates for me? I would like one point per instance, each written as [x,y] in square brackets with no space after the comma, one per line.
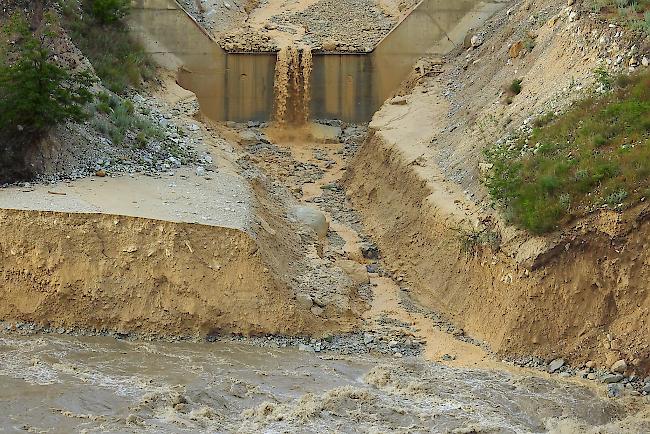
[580,293]
[133,275]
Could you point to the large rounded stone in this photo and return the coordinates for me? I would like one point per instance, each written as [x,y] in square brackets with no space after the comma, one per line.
[311,217]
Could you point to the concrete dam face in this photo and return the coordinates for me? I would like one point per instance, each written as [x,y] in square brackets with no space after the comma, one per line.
[295,84]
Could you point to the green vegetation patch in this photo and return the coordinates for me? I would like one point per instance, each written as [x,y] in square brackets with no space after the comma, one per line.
[98,29]
[35,92]
[597,154]
[116,118]
[635,14]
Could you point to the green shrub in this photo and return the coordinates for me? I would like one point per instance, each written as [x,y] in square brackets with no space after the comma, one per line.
[634,14]
[35,92]
[119,61]
[472,240]
[122,119]
[109,11]
[515,86]
[597,153]
[603,78]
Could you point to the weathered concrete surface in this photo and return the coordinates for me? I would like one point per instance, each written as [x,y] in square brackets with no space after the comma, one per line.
[350,87]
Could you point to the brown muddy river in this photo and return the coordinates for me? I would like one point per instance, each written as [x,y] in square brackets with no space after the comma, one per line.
[63,384]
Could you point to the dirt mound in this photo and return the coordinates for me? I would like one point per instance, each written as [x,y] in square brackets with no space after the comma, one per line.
[106,272]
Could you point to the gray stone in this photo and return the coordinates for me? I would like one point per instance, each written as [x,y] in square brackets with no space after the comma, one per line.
[619,367]
[614,390]
[555,365]
[200,171]
[372,268]
[612,378]
[368,338]
[369,250]
[306,348]
[318,311]
[248,137]
[304,301]
[312,218]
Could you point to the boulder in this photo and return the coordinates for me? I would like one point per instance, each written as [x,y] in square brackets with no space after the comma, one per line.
[619,367]
[248,137]
[369,250]
[555,365]
[612,378]
[515,49]
[304,301]
[357,272]
[329,45]
[312,218]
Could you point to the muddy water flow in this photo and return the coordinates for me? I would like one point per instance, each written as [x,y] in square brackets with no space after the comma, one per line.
[82,384]
[292,86]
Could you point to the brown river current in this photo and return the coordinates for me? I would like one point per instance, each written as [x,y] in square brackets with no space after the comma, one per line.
[62,384]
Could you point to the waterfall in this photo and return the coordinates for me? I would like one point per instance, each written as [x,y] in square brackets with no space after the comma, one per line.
[306,65]
[292,85]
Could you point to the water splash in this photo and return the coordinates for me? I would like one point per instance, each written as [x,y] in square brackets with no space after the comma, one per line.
[292,85]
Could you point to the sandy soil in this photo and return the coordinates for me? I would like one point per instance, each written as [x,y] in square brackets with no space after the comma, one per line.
[216,199]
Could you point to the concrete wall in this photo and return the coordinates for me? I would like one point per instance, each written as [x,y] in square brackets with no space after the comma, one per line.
[350,87]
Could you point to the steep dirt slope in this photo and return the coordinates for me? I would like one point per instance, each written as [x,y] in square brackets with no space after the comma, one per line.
[582,293]
[144,276]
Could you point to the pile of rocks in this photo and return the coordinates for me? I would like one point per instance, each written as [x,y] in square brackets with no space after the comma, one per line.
[614,377]
[393,343]
[218,16]
[247,39]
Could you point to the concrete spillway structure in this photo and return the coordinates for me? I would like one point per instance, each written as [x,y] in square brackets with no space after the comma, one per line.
[346,86]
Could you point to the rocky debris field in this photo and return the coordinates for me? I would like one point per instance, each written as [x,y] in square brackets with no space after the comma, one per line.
[386,335]
[348,26]
[356,25]
[218,16]
[82,150]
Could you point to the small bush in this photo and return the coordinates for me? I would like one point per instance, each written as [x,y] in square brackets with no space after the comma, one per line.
[617,197]
[515,86]
[122,119]
[110,11]
[603,78]
[472,240]
[119,61]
